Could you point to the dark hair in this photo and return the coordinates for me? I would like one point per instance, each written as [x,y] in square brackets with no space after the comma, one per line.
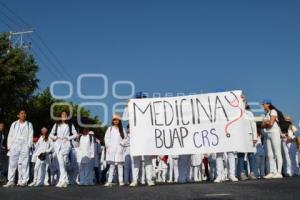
[47,134]
[248,107]
[60,121]
[272,107]
[121,130]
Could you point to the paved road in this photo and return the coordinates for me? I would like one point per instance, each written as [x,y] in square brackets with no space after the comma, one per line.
[288,188]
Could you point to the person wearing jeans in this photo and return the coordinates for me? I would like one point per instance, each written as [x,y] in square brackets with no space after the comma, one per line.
[248,156]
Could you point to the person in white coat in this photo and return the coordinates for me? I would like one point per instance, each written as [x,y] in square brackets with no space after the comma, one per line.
[19,141]
[173,168]
[248,156]
[43,148]
[62,133]
[114,139]
[86,155]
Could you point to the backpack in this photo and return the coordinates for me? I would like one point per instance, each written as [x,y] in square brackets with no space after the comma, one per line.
[70,129]
[284,125]
[91,138]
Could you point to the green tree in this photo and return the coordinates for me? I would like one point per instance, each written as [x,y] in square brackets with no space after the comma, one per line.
[18,79]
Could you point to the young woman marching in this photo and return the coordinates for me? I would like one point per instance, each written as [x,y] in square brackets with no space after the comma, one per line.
[273,133]
[86,158]
[114,137]
[42,152]
[63,132]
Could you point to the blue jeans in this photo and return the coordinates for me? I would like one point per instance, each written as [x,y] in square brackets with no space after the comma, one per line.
[127,170]
[241,164]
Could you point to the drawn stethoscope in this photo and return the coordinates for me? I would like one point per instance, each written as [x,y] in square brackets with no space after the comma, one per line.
[235,103]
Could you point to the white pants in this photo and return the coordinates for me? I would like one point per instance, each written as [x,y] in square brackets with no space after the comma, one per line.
[274,152]
[62,162]
[136,165]
[231,164]
[196,173]
[173,171]
[112,171]
[260,165]
[41,175]
[18,159]
[86,171]
[290,154]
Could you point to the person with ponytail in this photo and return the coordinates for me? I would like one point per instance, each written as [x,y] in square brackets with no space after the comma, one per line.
[114,139]
[273,134]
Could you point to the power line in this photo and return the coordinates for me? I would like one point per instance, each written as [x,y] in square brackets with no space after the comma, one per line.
[5,23]
[12,12]
[61,67]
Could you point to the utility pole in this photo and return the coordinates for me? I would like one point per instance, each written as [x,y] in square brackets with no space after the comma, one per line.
[17,39]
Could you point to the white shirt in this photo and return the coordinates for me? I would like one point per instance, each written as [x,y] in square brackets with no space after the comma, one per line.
[63,131]
[86,149]
[20,134]
[275,128]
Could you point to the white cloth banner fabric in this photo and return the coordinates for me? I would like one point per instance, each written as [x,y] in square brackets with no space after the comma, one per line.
[195,124]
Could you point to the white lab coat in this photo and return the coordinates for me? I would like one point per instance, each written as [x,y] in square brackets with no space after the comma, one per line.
[19,141]
[41,167]
[114,145]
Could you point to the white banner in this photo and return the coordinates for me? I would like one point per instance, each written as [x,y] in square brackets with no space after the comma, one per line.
[205,123]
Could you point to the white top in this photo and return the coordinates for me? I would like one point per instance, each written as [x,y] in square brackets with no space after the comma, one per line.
[42,147]
[63,138]
[250,117]
[292,132]
[113,143]
[86,149]
[275,128]
[20,134]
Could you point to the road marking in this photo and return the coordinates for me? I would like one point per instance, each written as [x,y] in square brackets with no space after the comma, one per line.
[217,195]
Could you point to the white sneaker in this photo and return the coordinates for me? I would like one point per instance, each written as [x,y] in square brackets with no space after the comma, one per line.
[63,185]
[218,180]
[133,184]
[58,184]
[169,181]
[108,184]
[32,184]
[277,176]
[269,176]
[22,184]
[121,184]
[233,179]
[9,184]
[150,183]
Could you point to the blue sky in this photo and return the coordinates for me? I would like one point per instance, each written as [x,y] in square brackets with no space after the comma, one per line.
[170,46]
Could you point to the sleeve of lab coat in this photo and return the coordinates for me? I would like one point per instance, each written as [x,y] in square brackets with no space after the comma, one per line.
[107,138]
[30,135]
[11,135]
